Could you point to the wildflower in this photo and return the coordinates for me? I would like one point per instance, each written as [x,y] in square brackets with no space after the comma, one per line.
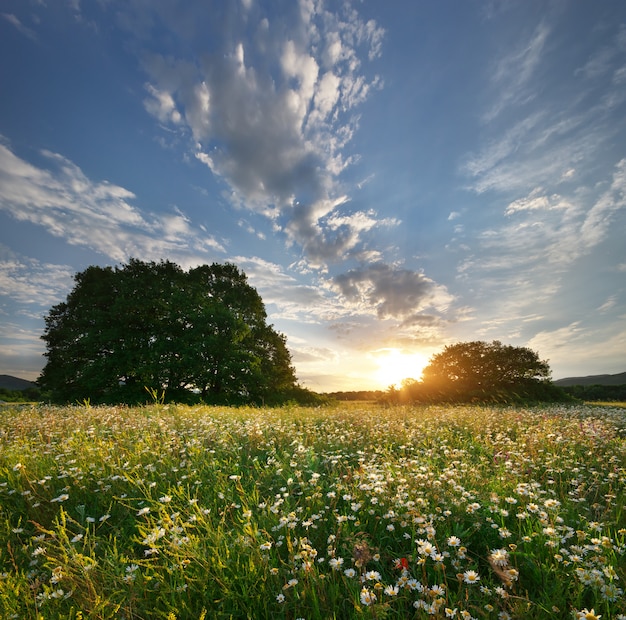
[512,574]
[165,499]
[335,563]
[414,584]
[454,541]
[438,558]
[280,598]
[18,466]
[425,547]
[155,535]
[77,538]
[349,573]
[610,592]
[367,597]
[372,575]
[586,614]
[144,511]
[451,613]
[391,590]
[266,546]
[471,576]
[63,497]
[499,557]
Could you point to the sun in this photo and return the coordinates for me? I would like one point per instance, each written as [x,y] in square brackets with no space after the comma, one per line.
[394,365]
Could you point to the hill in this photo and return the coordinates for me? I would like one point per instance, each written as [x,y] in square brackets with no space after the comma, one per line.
[618,379]
[8,382]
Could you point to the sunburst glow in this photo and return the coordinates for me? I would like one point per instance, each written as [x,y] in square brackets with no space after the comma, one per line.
[395,365]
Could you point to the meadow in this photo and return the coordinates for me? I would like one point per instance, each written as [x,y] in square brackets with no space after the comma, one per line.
[353,511]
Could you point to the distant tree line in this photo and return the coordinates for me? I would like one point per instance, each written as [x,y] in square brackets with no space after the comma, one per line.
[20,396]
[359,395]
[597,392]
[152,330]
[472,372]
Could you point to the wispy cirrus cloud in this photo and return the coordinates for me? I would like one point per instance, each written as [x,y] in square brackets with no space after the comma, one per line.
[95,214]
[546,145]
[30,282]
[25,30]
[575,344]
[512,74]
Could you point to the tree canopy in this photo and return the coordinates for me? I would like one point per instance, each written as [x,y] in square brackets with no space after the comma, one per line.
[482,371]
[152,326]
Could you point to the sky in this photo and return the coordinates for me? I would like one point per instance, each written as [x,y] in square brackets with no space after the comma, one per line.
[393,177]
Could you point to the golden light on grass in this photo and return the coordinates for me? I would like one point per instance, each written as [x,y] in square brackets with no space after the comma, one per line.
[395,365]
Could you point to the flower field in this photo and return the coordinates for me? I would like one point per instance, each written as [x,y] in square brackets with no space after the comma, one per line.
[347,512]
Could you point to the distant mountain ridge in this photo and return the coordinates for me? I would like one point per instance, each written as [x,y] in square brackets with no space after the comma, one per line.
[8,382]
[618,379]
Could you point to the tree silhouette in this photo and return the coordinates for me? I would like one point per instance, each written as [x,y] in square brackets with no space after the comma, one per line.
[152,326]
[481,371]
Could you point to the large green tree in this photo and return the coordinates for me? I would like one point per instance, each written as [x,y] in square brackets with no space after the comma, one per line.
[152,326]
[483,371]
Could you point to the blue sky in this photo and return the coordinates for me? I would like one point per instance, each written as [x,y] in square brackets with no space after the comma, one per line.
[392,177]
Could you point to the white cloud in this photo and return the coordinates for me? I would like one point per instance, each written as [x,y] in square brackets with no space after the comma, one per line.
[25,30]
[272,117]
[162,105]
[610,303]
[513,73]
[598,220]
[28,281]
[599,350]
[559,141]
[97,215]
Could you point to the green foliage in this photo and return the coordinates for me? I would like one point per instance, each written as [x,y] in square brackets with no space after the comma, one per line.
[20,396]
[351,512]
[597,392]
[482,372]
[151,328]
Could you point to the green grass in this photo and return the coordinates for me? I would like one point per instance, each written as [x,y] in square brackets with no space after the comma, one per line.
[349,512]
